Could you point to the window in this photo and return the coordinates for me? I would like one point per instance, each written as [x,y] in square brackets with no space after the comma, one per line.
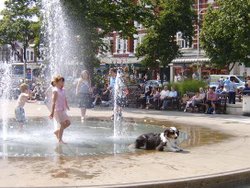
[27,55]
[141,37]
[210,1]
[138,40]
[118,45]
[121,45]
[17,69]
[182,43]
[135,45]
[111,46]
[31,56]
[125,46]
[138,25]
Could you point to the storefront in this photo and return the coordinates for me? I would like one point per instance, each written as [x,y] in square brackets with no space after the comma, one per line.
[186,67]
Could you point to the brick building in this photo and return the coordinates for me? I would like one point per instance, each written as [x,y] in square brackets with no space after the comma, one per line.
[122,51]
[16,59]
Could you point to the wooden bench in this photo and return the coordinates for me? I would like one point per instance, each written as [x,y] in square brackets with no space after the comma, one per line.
[174,103]
[198,108]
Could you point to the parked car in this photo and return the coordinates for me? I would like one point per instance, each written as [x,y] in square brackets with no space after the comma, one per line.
[152,83]
[215,79]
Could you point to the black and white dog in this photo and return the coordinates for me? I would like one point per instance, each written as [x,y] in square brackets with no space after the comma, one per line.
[154,141]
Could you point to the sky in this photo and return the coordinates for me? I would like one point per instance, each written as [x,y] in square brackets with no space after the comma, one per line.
[1,4]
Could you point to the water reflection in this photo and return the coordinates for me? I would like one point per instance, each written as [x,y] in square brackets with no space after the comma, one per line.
[93,138]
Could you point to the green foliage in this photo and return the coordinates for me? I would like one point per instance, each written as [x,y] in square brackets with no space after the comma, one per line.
[98,80]
[188,86]
[169,17]
[92,20]
[225,34]
[18,23]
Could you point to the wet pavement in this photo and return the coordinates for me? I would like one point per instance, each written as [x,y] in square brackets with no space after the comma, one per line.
[220,145]
[93,137]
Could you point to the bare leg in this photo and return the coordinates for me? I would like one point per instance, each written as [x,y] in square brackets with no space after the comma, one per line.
[213,105]
[60,134]
[21,125]
[57,133]
[67,124]
[83,113]
[96,98]
[61,130]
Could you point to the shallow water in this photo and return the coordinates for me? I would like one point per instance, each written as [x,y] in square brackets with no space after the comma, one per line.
[92,138]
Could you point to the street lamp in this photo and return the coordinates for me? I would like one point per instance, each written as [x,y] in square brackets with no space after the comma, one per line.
[198,38]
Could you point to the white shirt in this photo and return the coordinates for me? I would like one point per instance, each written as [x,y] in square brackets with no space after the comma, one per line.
[172,94]
[22,99]
[164,94]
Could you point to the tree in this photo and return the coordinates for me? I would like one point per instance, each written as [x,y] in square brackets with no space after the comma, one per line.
[225,34]
[18,25]
[93,20]
[159,46]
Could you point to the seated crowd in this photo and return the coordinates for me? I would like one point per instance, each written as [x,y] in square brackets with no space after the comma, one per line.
[206,101]
[201,101]
[210,100]
[156,98]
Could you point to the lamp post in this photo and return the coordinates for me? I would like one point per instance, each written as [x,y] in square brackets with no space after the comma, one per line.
[199,12]
[198,30]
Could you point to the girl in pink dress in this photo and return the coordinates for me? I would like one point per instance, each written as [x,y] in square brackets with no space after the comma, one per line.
[59,107]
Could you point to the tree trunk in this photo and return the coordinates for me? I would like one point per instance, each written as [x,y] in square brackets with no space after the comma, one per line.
[25,62]
[230,68]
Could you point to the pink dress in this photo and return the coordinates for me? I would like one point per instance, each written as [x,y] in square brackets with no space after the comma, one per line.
[60,106]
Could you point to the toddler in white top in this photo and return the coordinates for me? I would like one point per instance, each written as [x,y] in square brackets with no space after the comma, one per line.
[22,99]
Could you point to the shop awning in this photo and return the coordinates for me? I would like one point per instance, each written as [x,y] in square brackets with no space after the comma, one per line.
[190,60]
[118,60]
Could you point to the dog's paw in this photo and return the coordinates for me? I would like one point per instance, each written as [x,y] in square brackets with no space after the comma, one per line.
[179,150]
[175,149]
[172,150]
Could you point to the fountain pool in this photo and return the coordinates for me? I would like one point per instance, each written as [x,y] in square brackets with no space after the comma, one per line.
[91,138]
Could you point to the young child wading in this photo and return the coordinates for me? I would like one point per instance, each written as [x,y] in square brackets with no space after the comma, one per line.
[59,107]
[22,99]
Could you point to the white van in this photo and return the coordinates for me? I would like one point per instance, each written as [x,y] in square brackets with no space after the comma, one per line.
[215,79]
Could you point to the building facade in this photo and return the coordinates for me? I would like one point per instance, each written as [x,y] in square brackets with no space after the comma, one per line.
[15,56]
[193,59]
[122,51]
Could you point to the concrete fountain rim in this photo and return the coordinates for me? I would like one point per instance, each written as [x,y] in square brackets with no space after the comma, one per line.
[206,179]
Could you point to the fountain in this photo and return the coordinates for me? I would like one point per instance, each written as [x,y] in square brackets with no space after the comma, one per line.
[119,103]
[61,49]
[5,95]
[88,159]
[59,43]
[59,38]
[95,138]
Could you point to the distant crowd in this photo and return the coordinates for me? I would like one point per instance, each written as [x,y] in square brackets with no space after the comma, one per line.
[156,96]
